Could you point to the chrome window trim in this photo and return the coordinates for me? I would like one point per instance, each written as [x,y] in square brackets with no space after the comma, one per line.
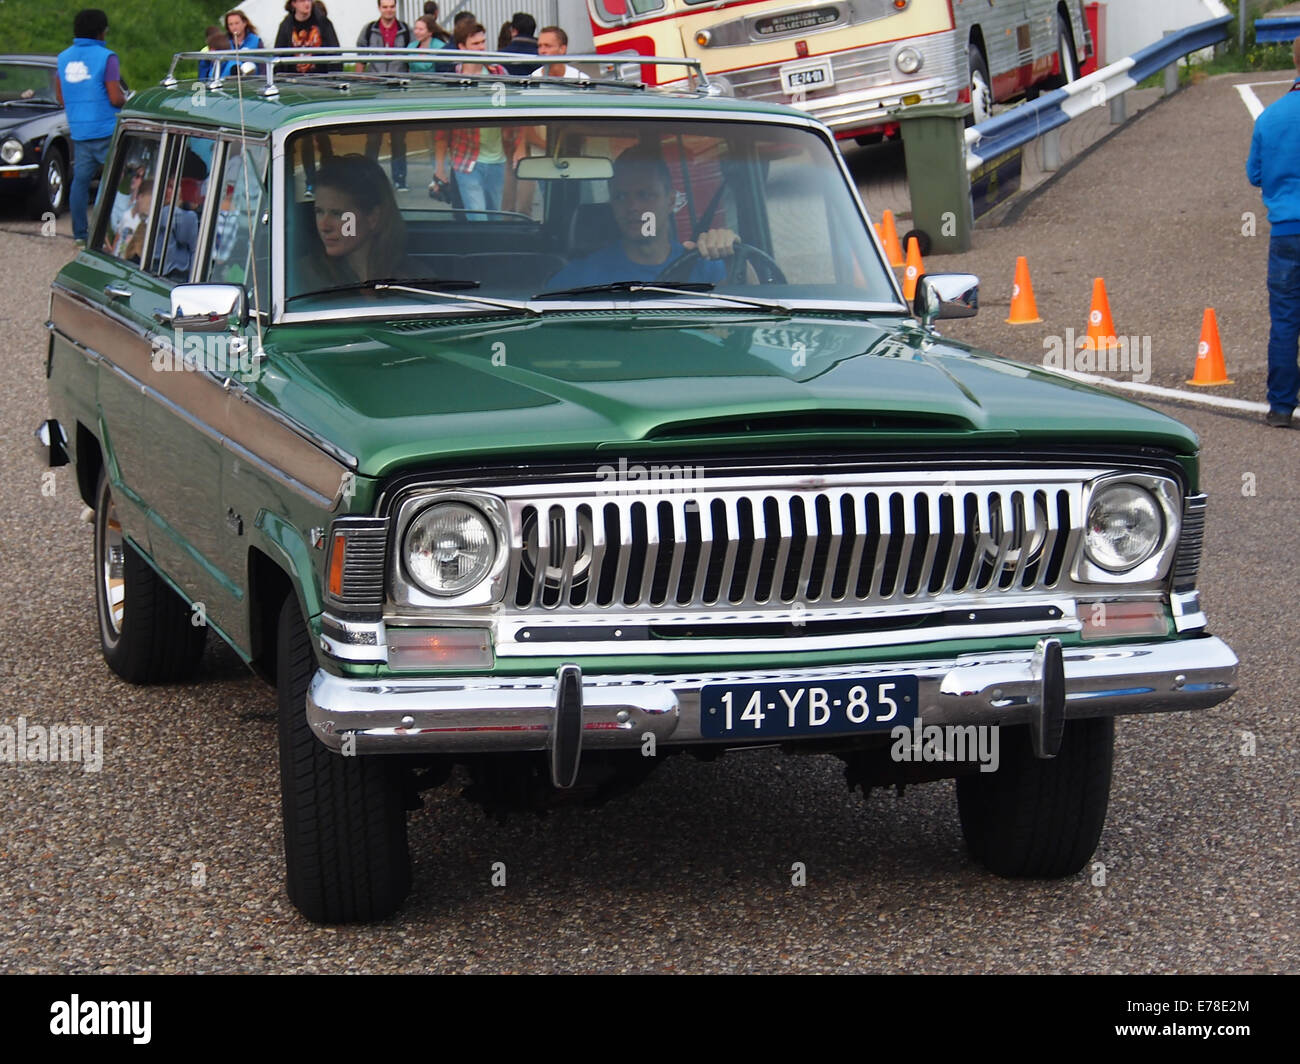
[453,311]
[557,110]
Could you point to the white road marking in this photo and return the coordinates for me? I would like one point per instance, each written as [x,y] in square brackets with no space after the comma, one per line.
[1251,101]
[1167,393]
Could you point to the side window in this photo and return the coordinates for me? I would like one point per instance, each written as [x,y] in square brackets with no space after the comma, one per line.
[618,10]
[185,185]
[240,240]
[134,179]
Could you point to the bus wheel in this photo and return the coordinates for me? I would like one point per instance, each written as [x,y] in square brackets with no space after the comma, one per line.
[981,86]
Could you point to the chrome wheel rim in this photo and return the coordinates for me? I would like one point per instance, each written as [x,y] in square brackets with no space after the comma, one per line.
[981,97]
[54,186]
[112,570]
[1066,57]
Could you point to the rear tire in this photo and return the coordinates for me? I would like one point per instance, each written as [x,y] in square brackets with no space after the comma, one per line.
[1035,818]
[145,628]
[345,849]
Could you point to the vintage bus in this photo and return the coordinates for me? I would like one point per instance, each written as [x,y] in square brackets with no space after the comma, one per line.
[851,62]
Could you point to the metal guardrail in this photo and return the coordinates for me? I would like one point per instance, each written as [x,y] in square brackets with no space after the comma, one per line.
[1017,127]
[1282,30]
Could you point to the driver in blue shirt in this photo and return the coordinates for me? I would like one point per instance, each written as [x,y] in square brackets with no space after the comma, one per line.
[641,196]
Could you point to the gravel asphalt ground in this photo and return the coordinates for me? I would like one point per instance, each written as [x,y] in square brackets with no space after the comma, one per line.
[170,858]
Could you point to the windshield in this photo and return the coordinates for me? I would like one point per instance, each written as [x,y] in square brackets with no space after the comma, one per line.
[574,209]
[26,83]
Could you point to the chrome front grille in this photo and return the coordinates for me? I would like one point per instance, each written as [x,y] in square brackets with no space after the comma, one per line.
[817,546]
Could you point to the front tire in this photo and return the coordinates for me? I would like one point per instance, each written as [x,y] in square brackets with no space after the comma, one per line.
[50,196]
[1036,818]
[145,629]
[981,86]
[345,848]
[1065,55]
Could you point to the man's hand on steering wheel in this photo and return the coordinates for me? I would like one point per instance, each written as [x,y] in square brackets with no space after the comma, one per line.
[713,244]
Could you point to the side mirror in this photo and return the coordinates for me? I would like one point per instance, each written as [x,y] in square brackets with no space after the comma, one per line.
[206,308]
[946,295]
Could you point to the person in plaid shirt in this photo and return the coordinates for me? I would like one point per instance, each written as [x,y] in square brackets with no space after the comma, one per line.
[477,154]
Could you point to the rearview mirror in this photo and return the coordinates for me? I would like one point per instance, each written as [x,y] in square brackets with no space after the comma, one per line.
[566,167]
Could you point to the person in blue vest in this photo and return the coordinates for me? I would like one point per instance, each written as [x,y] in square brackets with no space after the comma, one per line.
[1274,167]
[90,90]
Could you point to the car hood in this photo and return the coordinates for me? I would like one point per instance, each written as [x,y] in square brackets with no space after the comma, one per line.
[13,117]
[603,382]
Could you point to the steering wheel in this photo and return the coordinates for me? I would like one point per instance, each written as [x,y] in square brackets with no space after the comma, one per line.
[742,255]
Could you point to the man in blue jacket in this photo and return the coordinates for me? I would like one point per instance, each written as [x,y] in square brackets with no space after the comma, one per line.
[90,89]
[1274,166]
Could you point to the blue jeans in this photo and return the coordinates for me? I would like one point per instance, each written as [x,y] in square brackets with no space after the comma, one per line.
[1284,333]
[481,188]
[88,160]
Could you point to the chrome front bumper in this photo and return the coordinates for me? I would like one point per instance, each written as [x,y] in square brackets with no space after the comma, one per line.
[502,713]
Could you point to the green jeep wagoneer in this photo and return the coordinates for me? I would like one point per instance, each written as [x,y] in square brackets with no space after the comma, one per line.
[610,438]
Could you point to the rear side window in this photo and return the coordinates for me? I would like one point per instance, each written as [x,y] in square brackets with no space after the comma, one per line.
[132,191]
[240,237]
[175,235]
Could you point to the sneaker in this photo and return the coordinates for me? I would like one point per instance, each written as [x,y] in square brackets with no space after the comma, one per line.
[401,187]
[79,242]
[309,193]
[1277,419]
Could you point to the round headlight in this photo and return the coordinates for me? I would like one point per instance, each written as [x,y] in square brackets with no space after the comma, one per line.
[720,86]
[450,547]
[1125,526]
[11,152]
[908,60]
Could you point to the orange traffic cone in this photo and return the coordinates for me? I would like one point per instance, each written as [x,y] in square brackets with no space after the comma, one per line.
[1024,311]
[1101,328]
[1210,369]
[913,270]
[889,235]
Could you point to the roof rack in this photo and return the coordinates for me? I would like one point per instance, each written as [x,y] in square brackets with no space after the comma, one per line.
[267,62]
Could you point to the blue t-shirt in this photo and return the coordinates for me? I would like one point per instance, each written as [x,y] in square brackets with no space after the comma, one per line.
[611,263]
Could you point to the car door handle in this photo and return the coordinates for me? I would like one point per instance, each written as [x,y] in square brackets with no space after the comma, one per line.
[117,290]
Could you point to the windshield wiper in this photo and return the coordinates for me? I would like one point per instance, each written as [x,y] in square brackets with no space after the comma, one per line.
[420,286]
[378,284]
[672,288]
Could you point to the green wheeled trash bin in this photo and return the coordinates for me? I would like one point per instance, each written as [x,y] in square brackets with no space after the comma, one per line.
[934,146]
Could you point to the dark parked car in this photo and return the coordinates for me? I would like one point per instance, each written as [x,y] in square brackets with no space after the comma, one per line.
[35,149]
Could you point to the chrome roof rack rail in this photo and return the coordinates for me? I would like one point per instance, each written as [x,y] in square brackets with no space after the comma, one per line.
[267,62]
